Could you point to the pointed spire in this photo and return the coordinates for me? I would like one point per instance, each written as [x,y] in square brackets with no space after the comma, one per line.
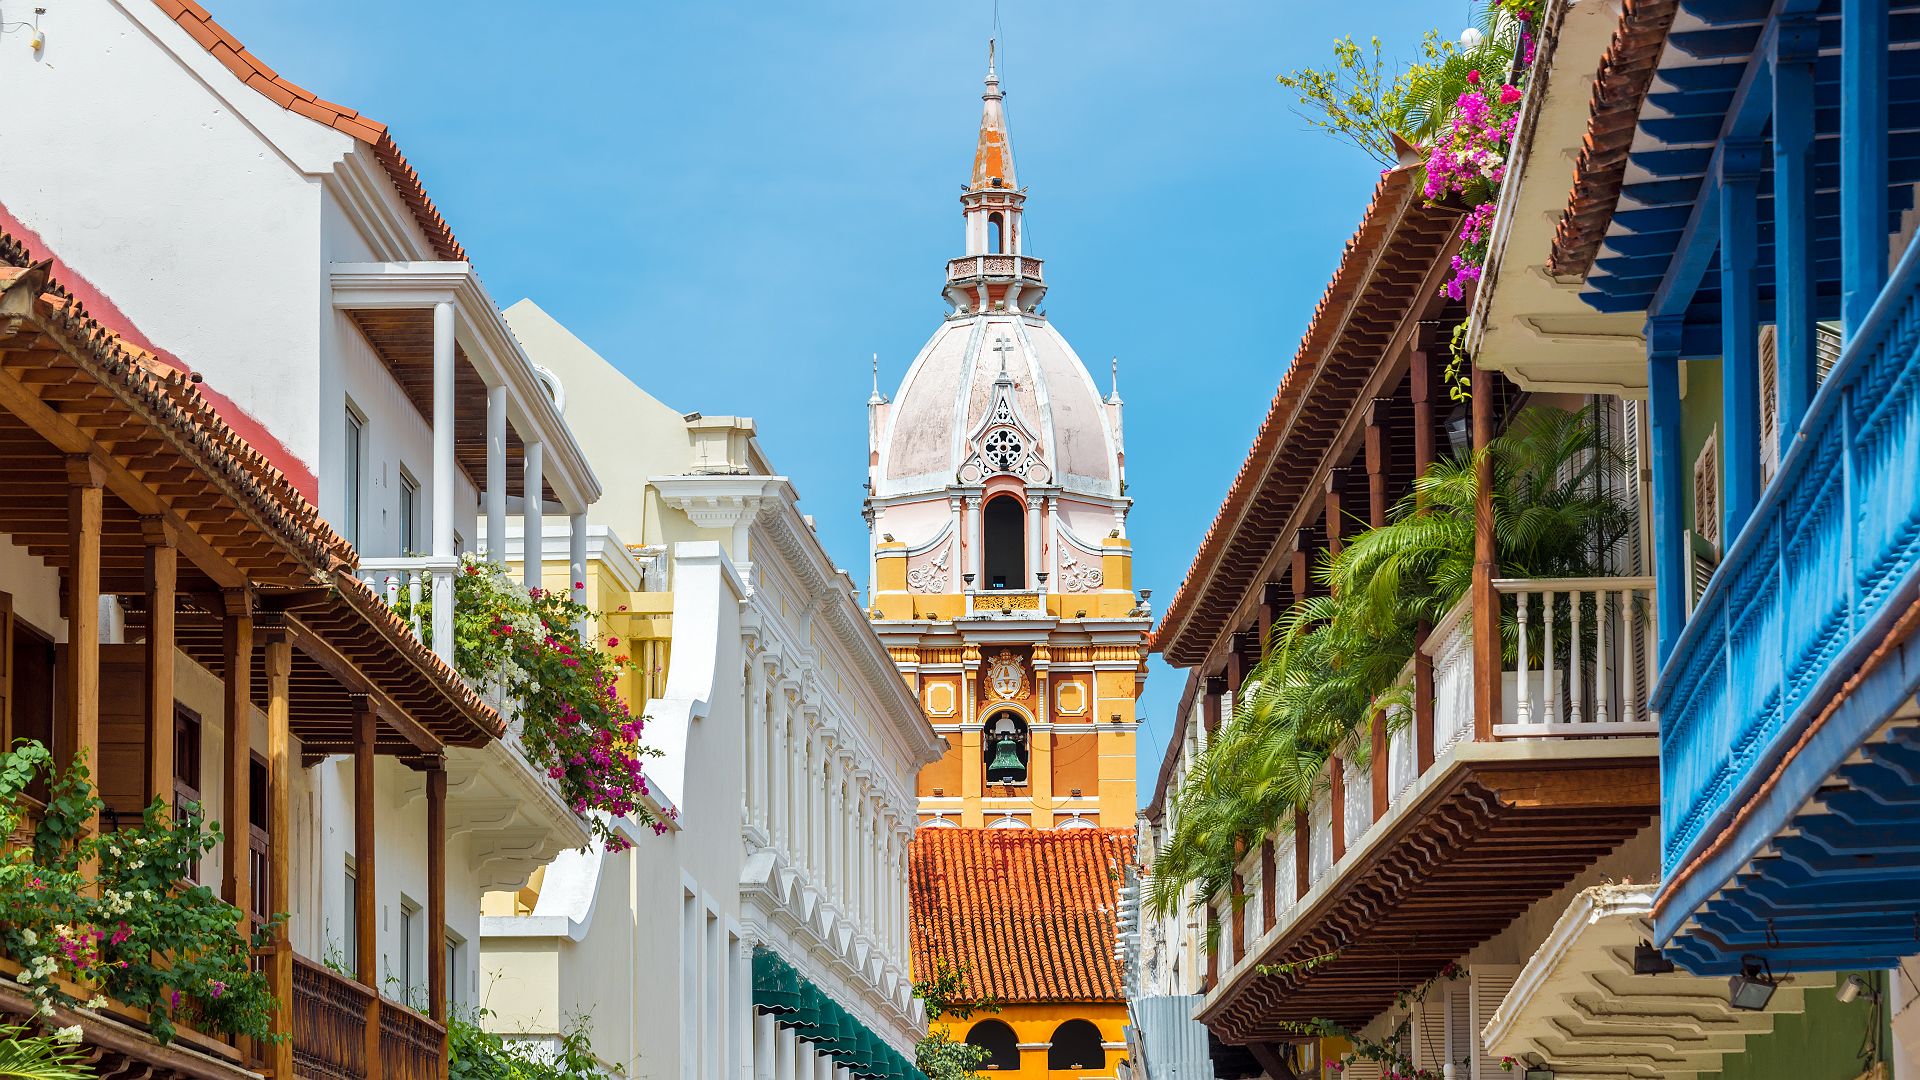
[877,398]
[1113,398]
[993,157]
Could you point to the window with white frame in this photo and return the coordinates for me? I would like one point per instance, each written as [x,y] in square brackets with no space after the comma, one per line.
[353,473]
[412,941]
[409,513]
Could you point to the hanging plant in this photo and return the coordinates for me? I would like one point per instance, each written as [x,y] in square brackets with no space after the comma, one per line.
[573,724]
[94,917]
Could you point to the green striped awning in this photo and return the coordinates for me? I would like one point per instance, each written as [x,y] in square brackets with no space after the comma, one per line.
[795,1002]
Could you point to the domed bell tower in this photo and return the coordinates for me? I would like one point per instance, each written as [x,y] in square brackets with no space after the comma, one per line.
[1002,577]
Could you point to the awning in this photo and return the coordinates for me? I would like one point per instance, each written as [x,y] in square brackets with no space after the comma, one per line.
[794,1001]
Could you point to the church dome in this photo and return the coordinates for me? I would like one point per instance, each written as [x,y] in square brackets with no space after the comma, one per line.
[999,394]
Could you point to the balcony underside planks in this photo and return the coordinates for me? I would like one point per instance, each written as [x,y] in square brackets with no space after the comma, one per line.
[1481,845]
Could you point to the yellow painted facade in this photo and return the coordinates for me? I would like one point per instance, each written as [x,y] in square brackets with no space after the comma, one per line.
[1034,1028]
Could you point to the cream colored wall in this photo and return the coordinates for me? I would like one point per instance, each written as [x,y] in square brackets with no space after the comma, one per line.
[627,433]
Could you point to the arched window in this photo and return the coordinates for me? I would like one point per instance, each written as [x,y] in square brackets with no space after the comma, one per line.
[994,1036]
[1003,528]
[1004,738]
[1076,1045]
[996,233]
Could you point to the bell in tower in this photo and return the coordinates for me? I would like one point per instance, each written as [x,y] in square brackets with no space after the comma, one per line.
[1006,739]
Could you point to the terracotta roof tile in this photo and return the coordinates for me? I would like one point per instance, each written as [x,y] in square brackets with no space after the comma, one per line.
[1619,90]
[1028,913]
[249,69]
[1398,224]
[172,402]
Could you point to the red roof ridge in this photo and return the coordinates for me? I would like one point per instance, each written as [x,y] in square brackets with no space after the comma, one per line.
[1389,197]
[254,72]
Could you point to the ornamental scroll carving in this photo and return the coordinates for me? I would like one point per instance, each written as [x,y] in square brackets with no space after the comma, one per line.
[1079,577]
[930,577]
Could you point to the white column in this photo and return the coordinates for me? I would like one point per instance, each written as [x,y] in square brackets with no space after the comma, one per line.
[817,808]
[803,734]
[497,473]
[1034,506]
[531,546]
[1053,539]
[577,569]
[445,469]
[764,1039]
[974,540]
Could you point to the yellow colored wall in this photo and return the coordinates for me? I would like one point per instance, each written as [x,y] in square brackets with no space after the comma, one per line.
[1033,1026]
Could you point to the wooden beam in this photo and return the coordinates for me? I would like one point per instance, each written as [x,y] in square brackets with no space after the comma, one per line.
[1420,372]
[366,897]
[237,651]
[1486,601]
[317,648]
[1377,462]
[163,584]
[67,437]
[279,667]
[81,715]
[437,891]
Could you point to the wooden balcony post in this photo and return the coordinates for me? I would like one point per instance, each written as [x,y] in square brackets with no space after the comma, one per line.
[1423,747]
[163,569]
[1420,371]
[279,669]
[366,879]
[237,649]
[1216,685]
[1377,462]
[1864,112]
[1300,565]
[1378,764]
[1739,442]
[1271,604]
[1486,602]
[80,718]
[1337,820]
[437,891]
[1331,515]
[1269,904]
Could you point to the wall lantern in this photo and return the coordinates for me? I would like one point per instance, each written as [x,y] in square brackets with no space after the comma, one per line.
[1855,986]
[1754,986]
[1648,960]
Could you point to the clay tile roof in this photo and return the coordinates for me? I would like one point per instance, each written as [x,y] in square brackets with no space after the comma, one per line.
[171,401]
[1029,914]
[1619,90]
[251,70]
[1399,226]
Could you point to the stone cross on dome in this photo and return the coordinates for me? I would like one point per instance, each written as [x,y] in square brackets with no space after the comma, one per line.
[1003,346]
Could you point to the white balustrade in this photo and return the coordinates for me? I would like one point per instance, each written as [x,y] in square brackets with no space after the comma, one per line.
[1358,816]
[1286,885]
[1583,659]
[409,580]
[1320,835]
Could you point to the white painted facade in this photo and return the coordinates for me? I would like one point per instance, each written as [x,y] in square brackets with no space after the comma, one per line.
[236,237]
[789,751]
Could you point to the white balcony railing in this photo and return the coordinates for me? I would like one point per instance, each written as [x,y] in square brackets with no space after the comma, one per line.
[405,584]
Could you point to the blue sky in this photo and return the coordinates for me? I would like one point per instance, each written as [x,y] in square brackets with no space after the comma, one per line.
[739,203]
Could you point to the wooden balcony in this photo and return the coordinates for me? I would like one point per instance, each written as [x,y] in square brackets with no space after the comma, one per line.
[1456,824]
[332,1018]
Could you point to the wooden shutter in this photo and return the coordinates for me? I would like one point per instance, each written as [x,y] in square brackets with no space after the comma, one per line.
[122,771]
[1488,985]
[1706,491]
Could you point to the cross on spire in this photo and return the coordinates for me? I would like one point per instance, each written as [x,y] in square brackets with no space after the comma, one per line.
[1003,347]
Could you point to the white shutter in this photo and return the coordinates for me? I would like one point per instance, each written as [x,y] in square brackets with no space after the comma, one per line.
[1427,1031]
[1359,1069]
[1826,348]
[1769,403]
[1488,985]
[1463,1041]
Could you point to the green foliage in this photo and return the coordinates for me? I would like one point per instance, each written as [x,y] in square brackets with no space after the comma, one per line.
[474,1053]
[114,914]
[1356,99]
[573,724]
[937,1054]
[1335,659]
[27,1056]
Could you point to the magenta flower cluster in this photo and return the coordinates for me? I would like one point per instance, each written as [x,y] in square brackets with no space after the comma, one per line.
[1470,163]
[574,724]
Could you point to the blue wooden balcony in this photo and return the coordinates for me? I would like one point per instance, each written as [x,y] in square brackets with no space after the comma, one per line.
[1770,169]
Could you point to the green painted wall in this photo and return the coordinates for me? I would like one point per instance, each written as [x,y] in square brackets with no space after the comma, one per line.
[1699,416]
[1822,1043]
